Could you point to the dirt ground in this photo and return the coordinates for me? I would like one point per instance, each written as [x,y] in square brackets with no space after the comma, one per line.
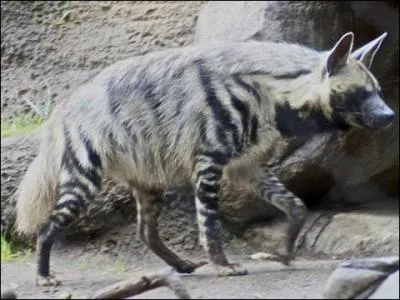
[49,47]
[84,274]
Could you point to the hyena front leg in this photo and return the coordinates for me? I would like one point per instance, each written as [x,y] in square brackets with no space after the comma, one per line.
[79,182]
[148,210]
[208,175]
[275,193]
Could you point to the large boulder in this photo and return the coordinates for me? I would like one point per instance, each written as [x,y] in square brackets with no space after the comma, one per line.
[376,278]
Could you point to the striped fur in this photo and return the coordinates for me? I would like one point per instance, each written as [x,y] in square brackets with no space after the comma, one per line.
[190,115]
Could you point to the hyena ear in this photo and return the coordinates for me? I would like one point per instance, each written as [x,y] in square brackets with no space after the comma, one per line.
[339,54]
[366,53]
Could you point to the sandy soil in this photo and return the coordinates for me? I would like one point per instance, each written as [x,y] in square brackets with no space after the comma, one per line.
[87,273]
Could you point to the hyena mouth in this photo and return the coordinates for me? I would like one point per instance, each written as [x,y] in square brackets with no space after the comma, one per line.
[379,122]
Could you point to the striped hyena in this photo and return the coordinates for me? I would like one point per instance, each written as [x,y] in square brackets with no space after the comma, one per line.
[202,115]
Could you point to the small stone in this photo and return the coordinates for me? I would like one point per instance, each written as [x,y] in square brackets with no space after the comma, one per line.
[347,282]
[105,6]
[22,92]
[264,256]
[34,75]
[389,289]
[65,295]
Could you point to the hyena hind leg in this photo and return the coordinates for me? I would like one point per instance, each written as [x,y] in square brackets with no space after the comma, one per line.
[148,210]
[275,193]
[78,186]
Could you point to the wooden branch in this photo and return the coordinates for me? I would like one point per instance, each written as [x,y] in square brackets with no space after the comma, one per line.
[167,278]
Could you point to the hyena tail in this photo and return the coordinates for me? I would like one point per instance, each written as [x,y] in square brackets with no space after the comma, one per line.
[37,193]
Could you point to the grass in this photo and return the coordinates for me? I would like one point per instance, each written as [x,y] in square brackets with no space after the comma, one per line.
[25,123]
[21,124]
[120,266]
[10,252]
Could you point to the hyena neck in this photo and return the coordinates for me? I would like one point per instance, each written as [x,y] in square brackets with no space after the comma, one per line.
[295,106]
[305,120]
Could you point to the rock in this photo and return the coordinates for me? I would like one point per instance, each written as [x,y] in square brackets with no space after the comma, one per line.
[349,283]
[389,289]
[360,278]
[355,233]
[328,234]
[65,295]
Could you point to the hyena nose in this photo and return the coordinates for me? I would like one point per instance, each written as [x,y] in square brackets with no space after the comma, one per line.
[384,116]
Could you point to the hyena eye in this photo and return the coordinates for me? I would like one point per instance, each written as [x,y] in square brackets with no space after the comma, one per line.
[358,96]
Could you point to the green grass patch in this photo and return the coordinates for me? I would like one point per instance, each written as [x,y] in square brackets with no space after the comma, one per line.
[120,266]
[10,252]
[21,124]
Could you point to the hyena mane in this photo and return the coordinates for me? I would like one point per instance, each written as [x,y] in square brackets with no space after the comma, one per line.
[193,116]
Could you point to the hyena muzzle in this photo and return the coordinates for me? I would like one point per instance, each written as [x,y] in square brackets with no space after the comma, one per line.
[204,115]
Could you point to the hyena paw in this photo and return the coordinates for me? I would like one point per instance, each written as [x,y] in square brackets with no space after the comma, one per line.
[230,270]
[47,281]
[189,267]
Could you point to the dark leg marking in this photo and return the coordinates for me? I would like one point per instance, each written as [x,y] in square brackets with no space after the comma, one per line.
[275,193]
[148,209]
[208,172]
[44,242]
[74,194]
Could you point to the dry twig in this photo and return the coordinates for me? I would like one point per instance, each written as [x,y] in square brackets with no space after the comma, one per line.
[167,278]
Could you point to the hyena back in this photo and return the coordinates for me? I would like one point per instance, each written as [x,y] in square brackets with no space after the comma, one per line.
[195,115]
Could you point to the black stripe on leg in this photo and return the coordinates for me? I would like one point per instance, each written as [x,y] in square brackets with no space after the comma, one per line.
[206,191]
[44,241]
[72,205]
[78,199]
[212,224]
[210,173]
[209,188]
[210,201]
[217,157]
[70,185]
[61,222]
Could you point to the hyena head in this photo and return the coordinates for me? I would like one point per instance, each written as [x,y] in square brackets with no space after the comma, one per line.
[353,96]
